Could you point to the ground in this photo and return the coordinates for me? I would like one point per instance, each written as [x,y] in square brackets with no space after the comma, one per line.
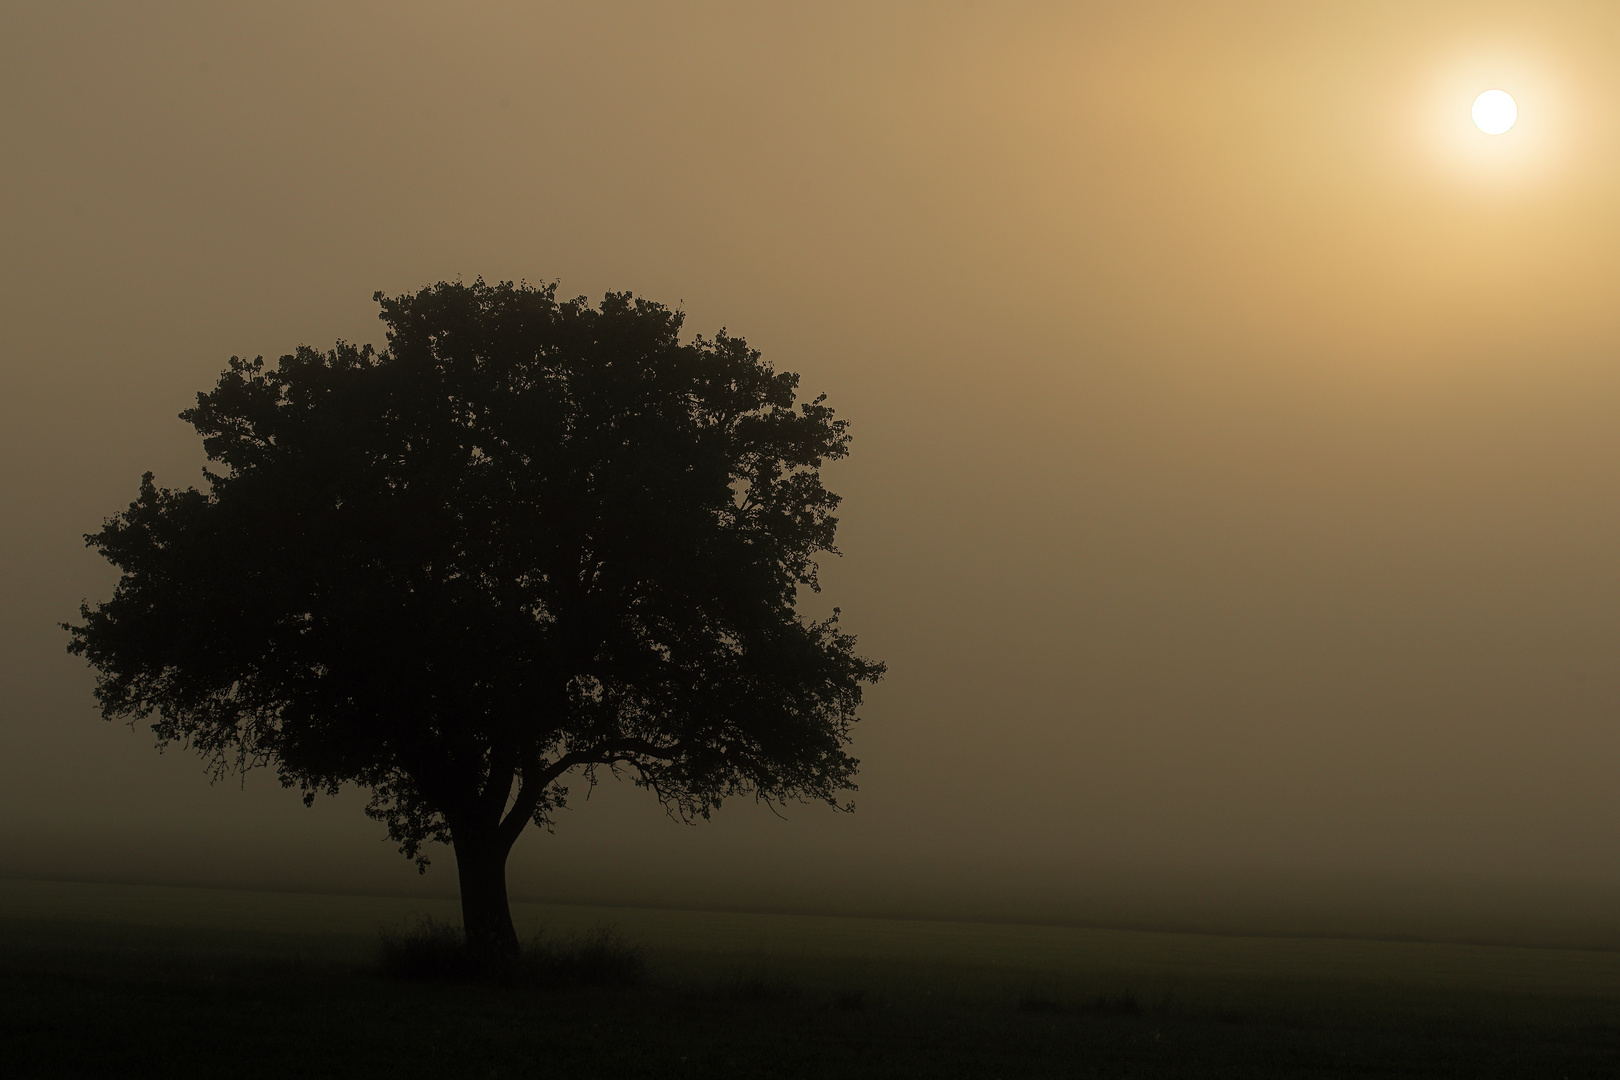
[101,980]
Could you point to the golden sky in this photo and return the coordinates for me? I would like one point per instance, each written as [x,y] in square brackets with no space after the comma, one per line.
[1236,465]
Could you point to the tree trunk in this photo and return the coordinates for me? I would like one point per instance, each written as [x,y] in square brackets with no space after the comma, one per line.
[485,914]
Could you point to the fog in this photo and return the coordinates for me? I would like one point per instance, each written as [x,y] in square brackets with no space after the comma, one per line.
[1234,487]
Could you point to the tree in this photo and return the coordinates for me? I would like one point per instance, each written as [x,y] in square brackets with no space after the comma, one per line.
[528,540]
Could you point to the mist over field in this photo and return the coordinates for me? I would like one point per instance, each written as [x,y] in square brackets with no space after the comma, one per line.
[1234,488]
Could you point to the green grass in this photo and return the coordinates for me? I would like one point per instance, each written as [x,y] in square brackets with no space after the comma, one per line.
[99,980]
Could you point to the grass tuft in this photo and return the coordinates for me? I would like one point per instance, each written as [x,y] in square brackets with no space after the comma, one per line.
[433,952]
[437,952]
[599,957]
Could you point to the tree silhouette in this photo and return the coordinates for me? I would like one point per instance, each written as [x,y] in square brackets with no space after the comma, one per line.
[530,539]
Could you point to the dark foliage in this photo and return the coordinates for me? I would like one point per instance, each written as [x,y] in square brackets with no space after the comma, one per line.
[529,539]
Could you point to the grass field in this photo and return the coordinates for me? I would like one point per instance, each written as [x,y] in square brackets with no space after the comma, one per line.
[102,980]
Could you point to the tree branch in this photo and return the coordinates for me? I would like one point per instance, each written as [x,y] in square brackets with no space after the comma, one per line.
[606,752]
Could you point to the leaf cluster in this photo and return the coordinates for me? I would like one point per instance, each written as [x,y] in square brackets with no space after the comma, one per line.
[529,537]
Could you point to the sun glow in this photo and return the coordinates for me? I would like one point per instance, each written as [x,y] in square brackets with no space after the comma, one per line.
[1495,112]
[1500,119]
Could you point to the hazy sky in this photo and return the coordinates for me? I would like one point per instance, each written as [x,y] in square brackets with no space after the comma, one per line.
[1237,427]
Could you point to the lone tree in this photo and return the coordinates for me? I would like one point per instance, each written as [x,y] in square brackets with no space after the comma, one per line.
[530,539]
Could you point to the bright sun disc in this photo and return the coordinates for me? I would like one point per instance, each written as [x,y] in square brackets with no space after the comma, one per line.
[1495,112]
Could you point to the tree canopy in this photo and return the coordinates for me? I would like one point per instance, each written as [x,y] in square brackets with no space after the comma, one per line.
[528,539]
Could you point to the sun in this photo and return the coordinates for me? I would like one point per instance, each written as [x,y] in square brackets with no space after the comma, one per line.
[1495,112]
